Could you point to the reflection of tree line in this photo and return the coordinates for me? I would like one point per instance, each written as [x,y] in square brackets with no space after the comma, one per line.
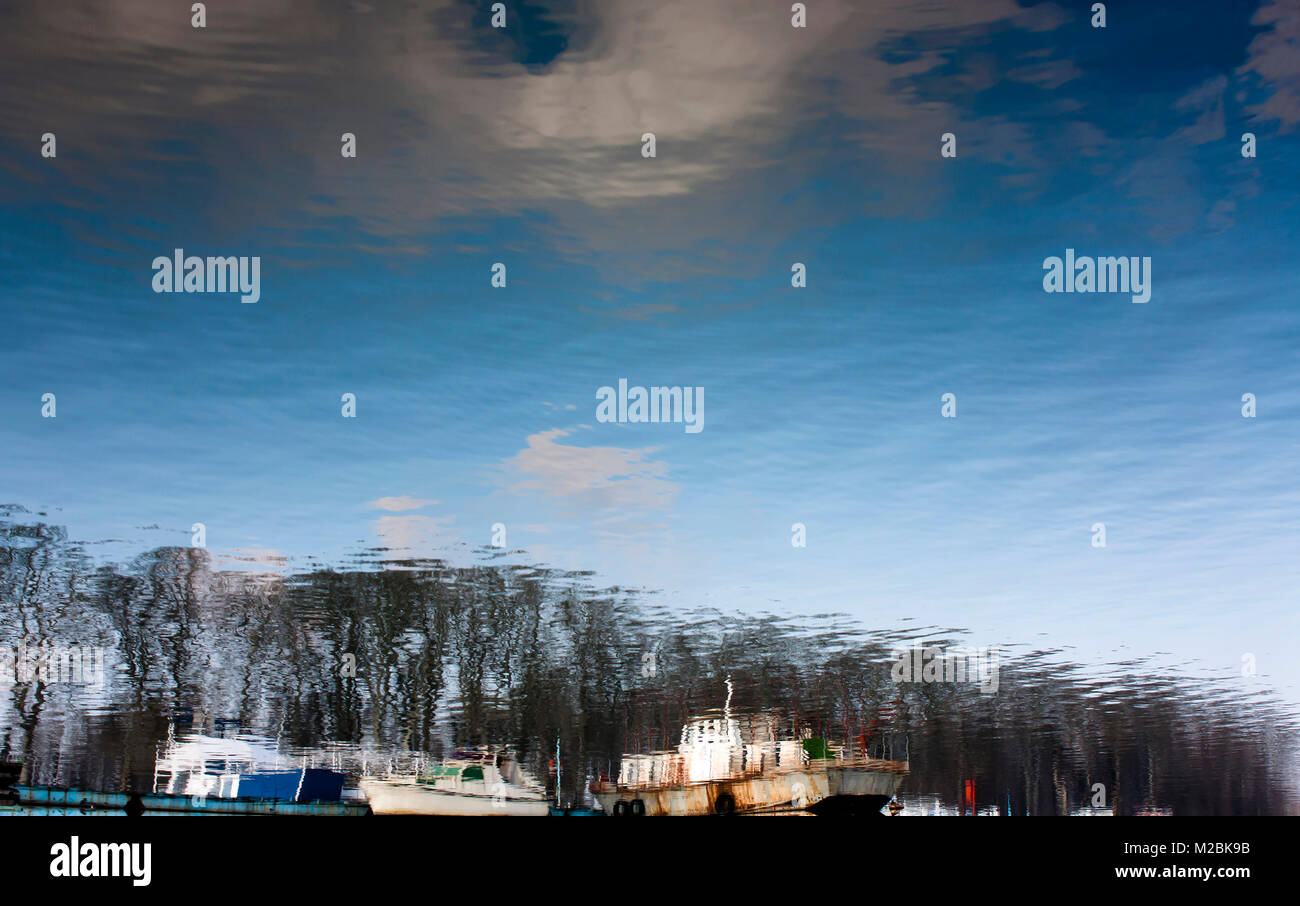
[446,656]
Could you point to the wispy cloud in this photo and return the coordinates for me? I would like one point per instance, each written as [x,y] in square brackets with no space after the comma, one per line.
[1273,59]
[246,557]
[416,536]
[399,504]
[603,478]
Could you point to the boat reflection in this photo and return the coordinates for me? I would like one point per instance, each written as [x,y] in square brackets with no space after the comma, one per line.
[482,781]
[724,766]
[384,671]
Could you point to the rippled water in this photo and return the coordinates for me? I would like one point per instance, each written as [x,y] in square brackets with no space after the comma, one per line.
[340,611]
[530,658]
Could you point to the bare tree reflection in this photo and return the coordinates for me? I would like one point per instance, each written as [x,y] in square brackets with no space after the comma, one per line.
[423,656]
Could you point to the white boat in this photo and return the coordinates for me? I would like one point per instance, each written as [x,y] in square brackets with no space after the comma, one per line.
[202,766]
[722,768]
[241,767]
[483,782]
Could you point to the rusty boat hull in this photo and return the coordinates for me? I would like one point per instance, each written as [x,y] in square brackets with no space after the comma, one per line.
[837,788]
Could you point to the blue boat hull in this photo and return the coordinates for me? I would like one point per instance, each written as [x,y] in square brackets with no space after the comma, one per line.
[89,800]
